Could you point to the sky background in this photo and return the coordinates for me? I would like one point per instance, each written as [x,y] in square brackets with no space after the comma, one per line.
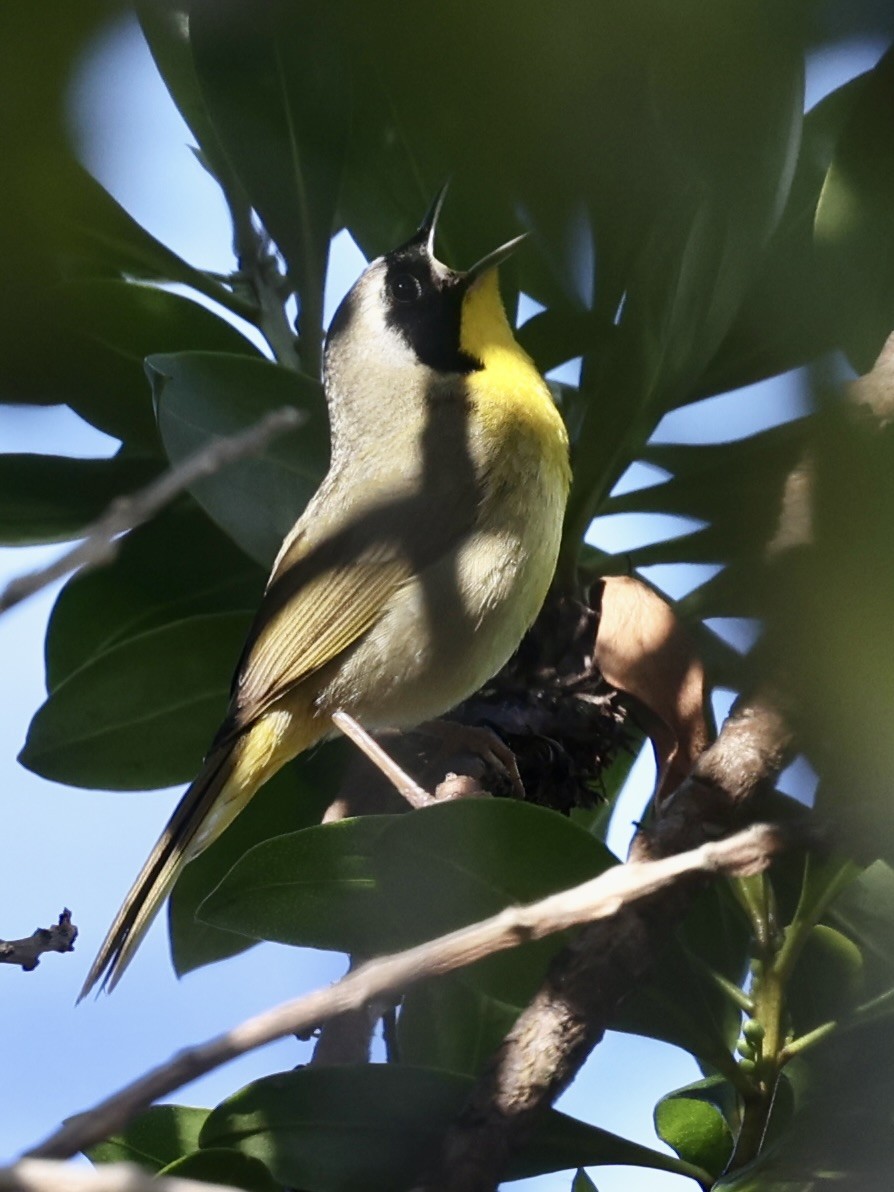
[81,849]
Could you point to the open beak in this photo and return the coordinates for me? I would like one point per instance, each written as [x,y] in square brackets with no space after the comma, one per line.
[495,258]
[425,233]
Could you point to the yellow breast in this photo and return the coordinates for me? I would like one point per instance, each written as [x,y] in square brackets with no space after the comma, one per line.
[514,417]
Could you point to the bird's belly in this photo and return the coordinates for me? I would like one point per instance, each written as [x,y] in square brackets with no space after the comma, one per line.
[449,629]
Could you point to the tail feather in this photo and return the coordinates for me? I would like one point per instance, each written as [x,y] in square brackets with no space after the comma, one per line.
[154,881]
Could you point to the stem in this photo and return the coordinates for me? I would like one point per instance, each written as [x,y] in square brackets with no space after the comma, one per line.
[796,1046]
[261,275]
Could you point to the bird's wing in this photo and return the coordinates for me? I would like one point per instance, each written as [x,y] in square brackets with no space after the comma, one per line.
[325,595]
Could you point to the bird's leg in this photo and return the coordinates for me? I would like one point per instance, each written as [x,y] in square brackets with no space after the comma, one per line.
[399,778]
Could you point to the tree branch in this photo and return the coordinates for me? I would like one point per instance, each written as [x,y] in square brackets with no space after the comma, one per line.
[572,1010]
[28,951]
[387,978]
[101,539]
[45,1175]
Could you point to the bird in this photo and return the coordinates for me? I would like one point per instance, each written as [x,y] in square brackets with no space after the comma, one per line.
[417,566]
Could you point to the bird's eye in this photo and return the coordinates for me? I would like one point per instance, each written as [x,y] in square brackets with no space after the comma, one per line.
[404,287]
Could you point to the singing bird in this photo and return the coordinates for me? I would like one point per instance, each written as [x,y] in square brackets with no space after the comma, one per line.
[417,566]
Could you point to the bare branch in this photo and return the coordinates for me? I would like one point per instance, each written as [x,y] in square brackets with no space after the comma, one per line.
[46,1175]
[102,538]
[387,978]
[27,952]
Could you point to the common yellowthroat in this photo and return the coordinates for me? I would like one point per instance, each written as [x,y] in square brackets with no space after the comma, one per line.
[417,566]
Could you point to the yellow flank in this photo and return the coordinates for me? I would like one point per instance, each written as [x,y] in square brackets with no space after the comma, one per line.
[511,399]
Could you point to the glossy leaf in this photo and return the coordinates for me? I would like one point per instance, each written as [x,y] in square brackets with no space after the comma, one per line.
[338,1129]
[316,887]
[143,713]
[49,498]
[201,395]
[293,799]
[457,863]
[156,1138]
[221,1165]
[275,80]
[176,566]
[695,1128]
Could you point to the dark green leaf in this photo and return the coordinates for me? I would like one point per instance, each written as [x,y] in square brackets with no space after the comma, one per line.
[153,1140]
[165,25]
[454,864]
[695,1128]
[276,83]
[784,321]
[316,887]
[94,233]
[201,395]
[48,498]
[827,979]
[292,799]
[840,1135]
[143,713]
[445,1024]
[372,1127]
[222,1165]
[583,1183]
[854,228]
[176,566]
[679,1003]
[111,326]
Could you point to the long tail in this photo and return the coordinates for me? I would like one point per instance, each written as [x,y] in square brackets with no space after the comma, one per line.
[162,868]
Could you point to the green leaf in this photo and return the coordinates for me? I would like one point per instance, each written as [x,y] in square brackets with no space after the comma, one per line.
[143,713]
[582,1182]
[154,1139]
[165,25]
[315,888]
[92,230]
[293,799]
[201,395]
[445,1024]
[373,1127]
[783,321]
[112,326]
[695,1128]
[222,1165]
[854,229]
[276,82]
[176,566]
[826,981]
[679,1003]
[49,498]
[454,864]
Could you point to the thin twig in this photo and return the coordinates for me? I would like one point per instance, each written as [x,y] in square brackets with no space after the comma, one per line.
[46,1175]
[388,977]
[27,952]
[102,537]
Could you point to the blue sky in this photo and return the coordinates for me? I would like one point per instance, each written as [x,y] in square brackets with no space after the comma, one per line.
[82,849]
